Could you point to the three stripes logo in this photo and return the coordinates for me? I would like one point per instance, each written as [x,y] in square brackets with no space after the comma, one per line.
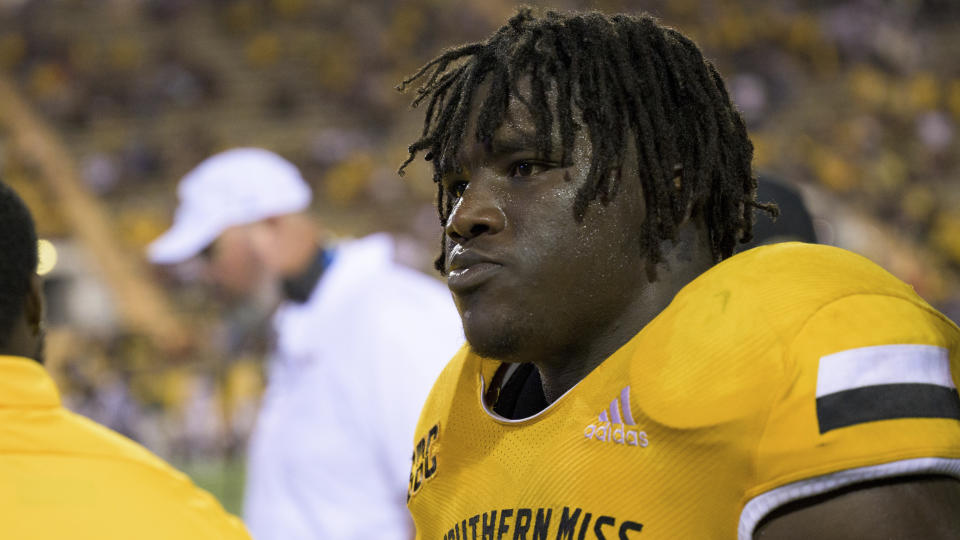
[885,382]
[616,424]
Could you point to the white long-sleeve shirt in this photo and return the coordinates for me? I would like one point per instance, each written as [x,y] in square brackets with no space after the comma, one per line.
[330,455]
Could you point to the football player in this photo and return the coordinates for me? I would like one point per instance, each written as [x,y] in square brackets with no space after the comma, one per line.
[625,376]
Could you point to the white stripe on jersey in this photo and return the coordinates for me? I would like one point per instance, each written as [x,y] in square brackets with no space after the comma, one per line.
[883,364]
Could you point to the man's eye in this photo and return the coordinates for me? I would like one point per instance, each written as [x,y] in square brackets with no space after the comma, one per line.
[456,189]
[524,168]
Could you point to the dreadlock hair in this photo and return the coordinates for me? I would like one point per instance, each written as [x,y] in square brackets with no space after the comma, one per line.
[18,262]
[634,82]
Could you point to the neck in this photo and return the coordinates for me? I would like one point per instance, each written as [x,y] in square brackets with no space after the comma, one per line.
[564,368]
[684,260]
[22,343]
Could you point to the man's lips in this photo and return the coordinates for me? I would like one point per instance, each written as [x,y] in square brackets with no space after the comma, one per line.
[469,269]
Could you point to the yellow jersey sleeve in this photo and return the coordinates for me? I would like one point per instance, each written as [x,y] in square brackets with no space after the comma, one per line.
[871,393]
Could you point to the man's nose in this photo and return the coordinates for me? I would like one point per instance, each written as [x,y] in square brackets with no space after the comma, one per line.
[478,211]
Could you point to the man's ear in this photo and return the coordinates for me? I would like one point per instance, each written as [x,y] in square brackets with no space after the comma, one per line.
[33,305]
[678,181]
[678,184]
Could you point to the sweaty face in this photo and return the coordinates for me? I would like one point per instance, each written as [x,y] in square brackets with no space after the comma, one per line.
[529,280]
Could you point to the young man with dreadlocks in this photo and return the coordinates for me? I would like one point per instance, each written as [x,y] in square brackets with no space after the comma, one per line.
[626,377]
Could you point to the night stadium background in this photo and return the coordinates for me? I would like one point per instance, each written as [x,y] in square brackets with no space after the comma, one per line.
[105,105]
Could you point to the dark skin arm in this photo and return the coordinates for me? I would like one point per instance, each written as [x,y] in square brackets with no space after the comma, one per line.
[919,507]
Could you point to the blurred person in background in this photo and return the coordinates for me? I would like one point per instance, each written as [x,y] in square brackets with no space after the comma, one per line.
[64,476]
[359,341]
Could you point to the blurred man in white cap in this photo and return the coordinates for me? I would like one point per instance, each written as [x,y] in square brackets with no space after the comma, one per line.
[360,340]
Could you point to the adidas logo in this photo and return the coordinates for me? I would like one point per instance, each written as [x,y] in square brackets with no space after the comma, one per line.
[617,427]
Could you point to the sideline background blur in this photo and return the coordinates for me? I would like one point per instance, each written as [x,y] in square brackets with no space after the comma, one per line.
[104,105]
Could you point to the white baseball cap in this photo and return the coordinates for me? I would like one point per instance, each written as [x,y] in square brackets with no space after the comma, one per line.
[236,187]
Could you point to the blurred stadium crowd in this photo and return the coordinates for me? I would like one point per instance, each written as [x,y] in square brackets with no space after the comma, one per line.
[856,102]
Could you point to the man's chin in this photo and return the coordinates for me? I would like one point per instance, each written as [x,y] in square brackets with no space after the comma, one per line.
[494,330]
[497,345]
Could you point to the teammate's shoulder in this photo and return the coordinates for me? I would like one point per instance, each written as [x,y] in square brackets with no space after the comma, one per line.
[87,439]
[140,484]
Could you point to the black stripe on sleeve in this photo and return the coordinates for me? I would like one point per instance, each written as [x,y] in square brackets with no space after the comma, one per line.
[886,402]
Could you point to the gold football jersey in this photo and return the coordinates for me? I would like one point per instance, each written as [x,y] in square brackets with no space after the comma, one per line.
[781,373]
